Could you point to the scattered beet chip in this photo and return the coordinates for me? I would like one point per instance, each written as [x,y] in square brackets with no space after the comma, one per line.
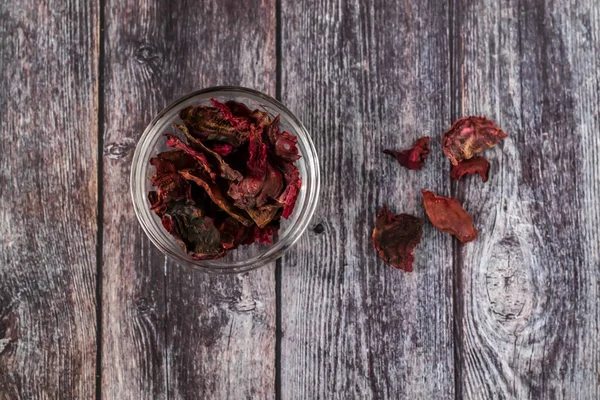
[448,215]
[229,182]
[475,165]
[413,158]
[469,136]
[395,237]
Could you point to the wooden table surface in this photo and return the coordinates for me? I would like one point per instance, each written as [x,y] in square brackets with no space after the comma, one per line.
[89,308]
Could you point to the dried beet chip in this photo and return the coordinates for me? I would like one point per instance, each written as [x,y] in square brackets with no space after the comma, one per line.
[257,191]
[257,161]
[413,158]
[244,193]
[174,141]
[224,170]
[232,233]
[259,118]
[290,193]
[264,215]
[216,195]
[475,165]
[239,123]
[469,136]
[163,167]
[171,187]
[195,231]
[178,158]
[208,123]
[448,215]
[395,237]
[272,186]
[283,143]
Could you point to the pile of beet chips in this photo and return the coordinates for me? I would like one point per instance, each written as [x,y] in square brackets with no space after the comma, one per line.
[228,180]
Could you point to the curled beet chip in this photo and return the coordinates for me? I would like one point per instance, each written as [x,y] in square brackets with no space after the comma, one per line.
[469,136]
[293,183]
[475,165]
[177,158]
[174,141]
[209,123]
[271,188]
[263,216]
[240,123]
[244,193]
[216,195]
[448,215]
[258,118]
[224,170]
[395,237]
[163,167]
[413,158]
[257,160]
[283,143]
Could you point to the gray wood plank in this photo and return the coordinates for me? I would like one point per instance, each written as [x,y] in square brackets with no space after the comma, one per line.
[364,76]
[48,206]
[529,297]
[185,334]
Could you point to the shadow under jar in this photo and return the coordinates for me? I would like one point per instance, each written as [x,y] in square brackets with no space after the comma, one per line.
[245,257]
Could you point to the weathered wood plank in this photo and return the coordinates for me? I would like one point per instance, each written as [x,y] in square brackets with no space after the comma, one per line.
[363,76]
[48,174]
[528,301]
[185,334]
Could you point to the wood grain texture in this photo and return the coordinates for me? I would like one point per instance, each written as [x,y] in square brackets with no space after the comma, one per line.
[528,304]
[364,76]
[48,170]
[185,334]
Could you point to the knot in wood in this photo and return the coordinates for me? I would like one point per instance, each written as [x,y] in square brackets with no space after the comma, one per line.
[319,228]
[119,150]
[509,288]
[143,305]
[147,53]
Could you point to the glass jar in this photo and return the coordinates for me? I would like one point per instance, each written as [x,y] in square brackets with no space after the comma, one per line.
[244,258]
